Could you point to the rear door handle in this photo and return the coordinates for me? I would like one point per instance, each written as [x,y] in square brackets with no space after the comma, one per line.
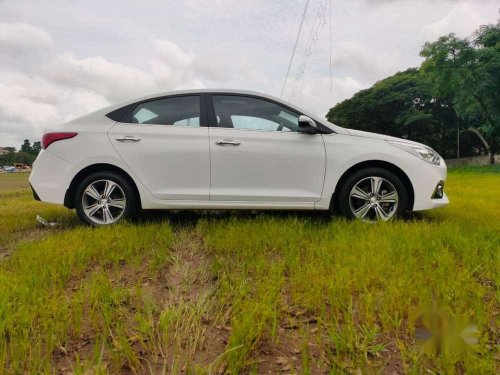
[128,138]
[229,142]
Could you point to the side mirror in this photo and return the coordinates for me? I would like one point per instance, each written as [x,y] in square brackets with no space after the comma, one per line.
[307,125]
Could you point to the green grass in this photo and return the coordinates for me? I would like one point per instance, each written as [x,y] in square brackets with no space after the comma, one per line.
[53,289]
[14,181]
[477,169]
[249,293]
[18,210]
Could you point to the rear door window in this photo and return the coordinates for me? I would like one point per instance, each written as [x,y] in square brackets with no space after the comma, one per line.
[175,111]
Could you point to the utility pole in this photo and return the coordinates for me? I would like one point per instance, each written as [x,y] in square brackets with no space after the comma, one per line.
[458,140]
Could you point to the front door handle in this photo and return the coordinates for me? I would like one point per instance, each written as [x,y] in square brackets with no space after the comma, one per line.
[128,138]
[229,142]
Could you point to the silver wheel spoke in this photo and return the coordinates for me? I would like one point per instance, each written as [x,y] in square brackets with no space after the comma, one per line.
[93,193]
[108,189]
[358,193]
[389,198]
[118,203]
[91,210]
[107,216]
[101,208]
[373,198]
[361,212]
[376,183]
[381,214]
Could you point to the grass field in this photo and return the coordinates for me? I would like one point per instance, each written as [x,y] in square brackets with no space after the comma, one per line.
[252,293]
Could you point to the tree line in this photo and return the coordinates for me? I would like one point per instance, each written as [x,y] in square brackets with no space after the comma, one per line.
[451,102]
[26,154]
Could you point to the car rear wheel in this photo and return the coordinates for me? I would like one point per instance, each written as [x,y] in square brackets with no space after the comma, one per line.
[104,198]
[372,194]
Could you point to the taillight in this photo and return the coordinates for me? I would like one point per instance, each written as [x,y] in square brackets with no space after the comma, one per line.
[49,138]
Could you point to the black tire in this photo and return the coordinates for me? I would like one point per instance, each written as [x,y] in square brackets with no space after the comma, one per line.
[125,187]
[343,200]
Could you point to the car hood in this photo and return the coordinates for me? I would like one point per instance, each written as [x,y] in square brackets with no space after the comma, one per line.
[360,133]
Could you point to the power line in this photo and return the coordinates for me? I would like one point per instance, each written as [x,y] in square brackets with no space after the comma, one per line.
[331,64]
[295,46]
[319,21]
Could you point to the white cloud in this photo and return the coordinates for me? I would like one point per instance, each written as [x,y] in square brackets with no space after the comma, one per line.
[461,20]
[33,104]
[64,86]
[20,102]
[366,64]
[62,59]
[316,94]
[20,36]
[114,81]
[172,54]
[23,46]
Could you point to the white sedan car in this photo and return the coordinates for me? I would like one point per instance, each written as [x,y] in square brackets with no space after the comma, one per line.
[227,149]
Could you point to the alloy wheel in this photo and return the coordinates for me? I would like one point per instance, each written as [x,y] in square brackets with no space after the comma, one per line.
[104,202]
[373,199]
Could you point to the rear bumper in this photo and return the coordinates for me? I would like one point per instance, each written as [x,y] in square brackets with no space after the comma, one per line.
[424,178]
[49,177]
[35,195]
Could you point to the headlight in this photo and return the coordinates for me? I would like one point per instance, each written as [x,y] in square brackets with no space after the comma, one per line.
[422,152]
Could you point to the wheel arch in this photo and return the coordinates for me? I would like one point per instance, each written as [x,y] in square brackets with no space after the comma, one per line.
[376,164]
[69,197]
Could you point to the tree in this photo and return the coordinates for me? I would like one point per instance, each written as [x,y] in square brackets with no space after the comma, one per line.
[403,106]
[37,146]
[452,102]
[26,146]
[24,158]
[467,72]
[8,158]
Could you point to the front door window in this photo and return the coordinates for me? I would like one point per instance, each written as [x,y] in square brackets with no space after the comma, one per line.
[244,112]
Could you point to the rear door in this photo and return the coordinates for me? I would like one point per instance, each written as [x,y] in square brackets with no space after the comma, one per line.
[258,155]
[165,145]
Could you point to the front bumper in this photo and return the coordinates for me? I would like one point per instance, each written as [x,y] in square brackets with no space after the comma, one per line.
[425,178]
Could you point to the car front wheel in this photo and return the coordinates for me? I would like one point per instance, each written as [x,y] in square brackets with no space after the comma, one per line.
[103,198]
[372,194]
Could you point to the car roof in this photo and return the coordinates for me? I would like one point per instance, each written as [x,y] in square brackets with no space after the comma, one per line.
[211,91]
[106,110]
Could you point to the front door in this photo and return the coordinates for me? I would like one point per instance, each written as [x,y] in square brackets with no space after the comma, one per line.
[166,148]
[258,155]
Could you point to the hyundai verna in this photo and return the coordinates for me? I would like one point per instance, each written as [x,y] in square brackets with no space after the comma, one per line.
[227,149]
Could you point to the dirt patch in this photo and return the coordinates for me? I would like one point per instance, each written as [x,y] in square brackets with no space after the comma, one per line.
[285,355]
[187,284]
[391,361]
[296,346]
[302,345]
[187,278]
[5,252]
[296,343]
[27,235]
[182,291]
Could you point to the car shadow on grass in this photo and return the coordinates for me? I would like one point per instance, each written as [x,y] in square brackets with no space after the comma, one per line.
[421,217]
[190,218]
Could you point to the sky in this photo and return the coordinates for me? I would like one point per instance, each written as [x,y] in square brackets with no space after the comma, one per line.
[62,59]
